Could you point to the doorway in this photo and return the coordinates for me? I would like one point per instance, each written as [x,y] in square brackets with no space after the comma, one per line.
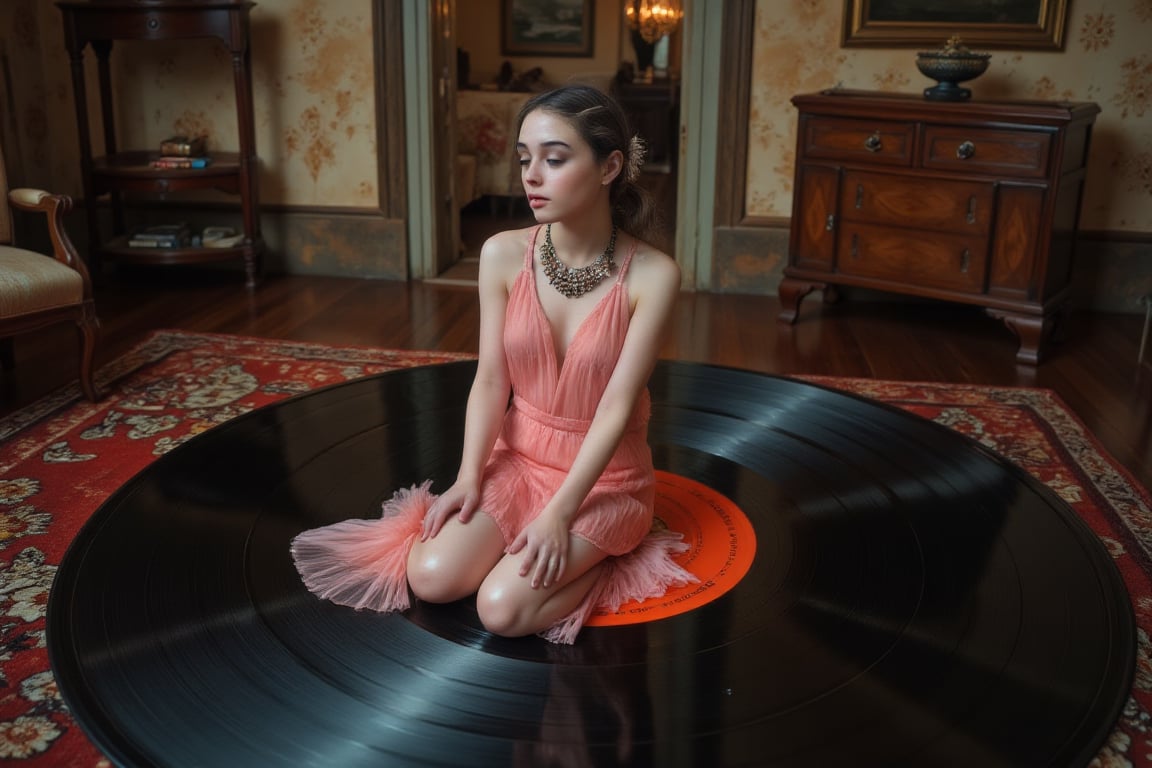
[676,186]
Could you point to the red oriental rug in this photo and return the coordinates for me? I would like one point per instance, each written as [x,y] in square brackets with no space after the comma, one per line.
[61,457]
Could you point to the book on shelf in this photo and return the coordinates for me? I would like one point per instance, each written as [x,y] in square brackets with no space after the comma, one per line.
[168,162]
[161,236]
[183,146]
[174,242]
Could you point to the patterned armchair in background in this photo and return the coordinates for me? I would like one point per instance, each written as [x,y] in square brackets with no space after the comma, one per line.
[38,289]
[486,131]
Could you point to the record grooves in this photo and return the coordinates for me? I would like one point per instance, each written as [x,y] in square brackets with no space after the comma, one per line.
[914,600]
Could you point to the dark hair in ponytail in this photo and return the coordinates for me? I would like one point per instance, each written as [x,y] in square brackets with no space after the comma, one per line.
[603,125]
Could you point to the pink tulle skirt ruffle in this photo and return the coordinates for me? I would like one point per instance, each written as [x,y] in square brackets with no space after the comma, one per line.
[363,564]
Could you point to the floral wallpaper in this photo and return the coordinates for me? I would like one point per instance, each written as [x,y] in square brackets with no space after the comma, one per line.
[314,99]
[313,86]
[315,113]
[1106,59]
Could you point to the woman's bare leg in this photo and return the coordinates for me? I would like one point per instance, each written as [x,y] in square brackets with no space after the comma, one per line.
[454,563]
[509,606]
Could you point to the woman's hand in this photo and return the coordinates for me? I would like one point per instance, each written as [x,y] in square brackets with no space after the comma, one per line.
[544,543]
[461,498]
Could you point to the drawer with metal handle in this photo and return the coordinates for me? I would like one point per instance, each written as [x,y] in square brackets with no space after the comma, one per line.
[873,141]
[985,151]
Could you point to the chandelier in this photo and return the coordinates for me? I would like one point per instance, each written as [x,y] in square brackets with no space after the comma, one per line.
[653,18]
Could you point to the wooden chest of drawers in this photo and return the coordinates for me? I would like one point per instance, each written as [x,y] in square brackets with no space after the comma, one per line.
[974,202]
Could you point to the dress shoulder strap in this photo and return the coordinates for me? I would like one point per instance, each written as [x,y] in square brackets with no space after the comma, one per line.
[531,247]
[627,260]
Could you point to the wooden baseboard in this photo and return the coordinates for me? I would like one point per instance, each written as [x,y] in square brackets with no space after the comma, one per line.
[1112,271]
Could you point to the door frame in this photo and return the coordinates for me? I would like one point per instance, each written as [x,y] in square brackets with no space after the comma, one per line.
[419,144]
[699,125]
[429,84]
[698,173]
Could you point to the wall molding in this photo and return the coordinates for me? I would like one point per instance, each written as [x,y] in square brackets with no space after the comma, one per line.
[1112,268]
[1113,236]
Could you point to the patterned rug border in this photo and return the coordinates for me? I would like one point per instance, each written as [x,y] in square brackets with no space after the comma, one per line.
[1112,482]
[1088,452]
[161,343]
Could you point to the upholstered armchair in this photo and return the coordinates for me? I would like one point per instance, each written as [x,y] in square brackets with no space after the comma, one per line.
[37,290]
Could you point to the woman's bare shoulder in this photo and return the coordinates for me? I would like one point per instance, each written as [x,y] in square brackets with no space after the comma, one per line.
[652,267]
[503,253]
[510,242]
[507,246]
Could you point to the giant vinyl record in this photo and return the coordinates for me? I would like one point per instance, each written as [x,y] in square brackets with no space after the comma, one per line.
[914,600]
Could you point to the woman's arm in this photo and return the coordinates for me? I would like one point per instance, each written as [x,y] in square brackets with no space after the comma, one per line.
[488,398]
[654,281]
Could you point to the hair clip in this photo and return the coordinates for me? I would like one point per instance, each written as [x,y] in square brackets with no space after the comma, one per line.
[635,160]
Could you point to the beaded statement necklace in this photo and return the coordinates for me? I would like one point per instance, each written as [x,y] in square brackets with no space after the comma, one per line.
[574,283]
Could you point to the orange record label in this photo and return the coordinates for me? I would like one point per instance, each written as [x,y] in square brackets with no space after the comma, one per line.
[721,547]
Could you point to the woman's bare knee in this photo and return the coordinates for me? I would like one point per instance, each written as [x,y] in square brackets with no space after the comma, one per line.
[503,612]
[451,566]
[507,604]
[434,581]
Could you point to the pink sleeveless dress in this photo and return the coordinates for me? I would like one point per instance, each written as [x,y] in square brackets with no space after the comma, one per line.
[361,563]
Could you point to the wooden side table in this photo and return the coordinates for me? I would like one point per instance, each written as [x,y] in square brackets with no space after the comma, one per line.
[99,23]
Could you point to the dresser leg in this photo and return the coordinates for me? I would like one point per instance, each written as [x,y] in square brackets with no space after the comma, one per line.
[791,293]
[1032,331]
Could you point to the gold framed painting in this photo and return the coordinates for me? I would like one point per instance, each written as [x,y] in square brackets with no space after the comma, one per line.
[1002,24]
[547,27]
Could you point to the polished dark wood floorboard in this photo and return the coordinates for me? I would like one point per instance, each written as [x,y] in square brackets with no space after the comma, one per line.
[1094,370]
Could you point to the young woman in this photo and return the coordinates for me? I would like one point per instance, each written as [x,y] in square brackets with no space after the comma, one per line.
[551,511]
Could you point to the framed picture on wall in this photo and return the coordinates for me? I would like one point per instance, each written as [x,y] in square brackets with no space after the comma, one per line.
[1005,24]
[547,27]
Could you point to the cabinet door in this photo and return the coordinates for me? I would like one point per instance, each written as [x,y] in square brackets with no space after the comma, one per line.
[963,207]
[909,258]
[814,218]
[1015,247]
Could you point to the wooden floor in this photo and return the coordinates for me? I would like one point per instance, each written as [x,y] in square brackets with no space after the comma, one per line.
[1094,370]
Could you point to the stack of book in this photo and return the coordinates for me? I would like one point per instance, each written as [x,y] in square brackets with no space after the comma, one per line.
[162,236]
[182,152]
